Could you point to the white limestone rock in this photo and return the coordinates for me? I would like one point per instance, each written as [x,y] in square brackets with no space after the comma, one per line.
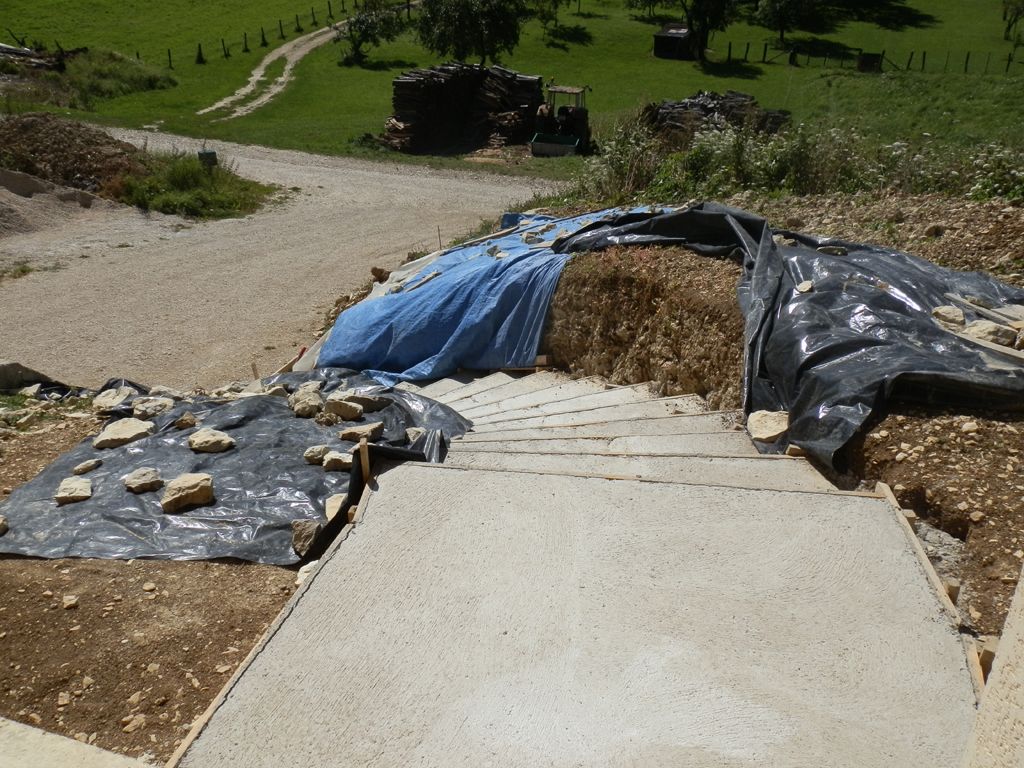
[122,432]
[187,490]
[73,490]
[208,440]
[767,426]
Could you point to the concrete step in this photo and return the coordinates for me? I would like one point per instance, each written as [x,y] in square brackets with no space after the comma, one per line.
[704,443]
[488,618]
[528,383]
[22,746]
[767,472]
[637,393]
[480,385]
[665,406]
[712,421]
[434,389]
[563,390]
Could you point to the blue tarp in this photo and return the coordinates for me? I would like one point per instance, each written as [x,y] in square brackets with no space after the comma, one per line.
[479,306]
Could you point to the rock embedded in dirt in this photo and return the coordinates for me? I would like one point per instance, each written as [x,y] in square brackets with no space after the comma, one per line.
[767,426]
[304,533]
[370,431]
[210,441]
[187,490]
[143,480]
[187,420]
[986,330]
[148,407]
[334,505]
[73,490]
[109,399]
[315,453]
[339,405]
[86,466]
[134,723]
[69,601]
[122,432]
[336,461]
[949,315]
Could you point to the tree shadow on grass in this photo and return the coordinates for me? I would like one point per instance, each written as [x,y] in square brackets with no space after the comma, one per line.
[820,47]
[381,65]
[576,34]
[591,15]
[658,19]
[738,69]
[893,15]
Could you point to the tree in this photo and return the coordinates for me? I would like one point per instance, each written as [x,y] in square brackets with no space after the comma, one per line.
[650,5]
[464,28]
[546,11]
[1013,12]
[780,15]
[703,17]
[375,23]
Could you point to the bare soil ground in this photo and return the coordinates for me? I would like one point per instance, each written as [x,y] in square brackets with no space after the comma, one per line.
[147,645]
[670,316]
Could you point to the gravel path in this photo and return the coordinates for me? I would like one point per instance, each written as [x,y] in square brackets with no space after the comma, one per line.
[164,300]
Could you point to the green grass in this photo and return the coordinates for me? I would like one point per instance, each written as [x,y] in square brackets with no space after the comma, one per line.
[332,109]
[180,184]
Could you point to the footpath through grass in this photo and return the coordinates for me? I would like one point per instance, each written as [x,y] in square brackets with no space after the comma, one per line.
[333,109]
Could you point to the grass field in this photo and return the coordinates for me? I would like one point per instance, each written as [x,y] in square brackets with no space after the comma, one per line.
[329,107]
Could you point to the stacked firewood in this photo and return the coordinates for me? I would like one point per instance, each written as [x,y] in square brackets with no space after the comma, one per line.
[459,106]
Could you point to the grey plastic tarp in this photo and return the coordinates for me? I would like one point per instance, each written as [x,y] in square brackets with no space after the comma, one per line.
[261,485]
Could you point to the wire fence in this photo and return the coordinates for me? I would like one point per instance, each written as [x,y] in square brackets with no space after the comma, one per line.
[951,61]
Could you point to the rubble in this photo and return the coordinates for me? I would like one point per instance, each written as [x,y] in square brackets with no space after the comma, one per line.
[110,399]
[986,330]
[187,420]
[767,426]
[949,315]
[315,454]
[73,490]
[210,441]
[187,490]
[306,401]
[148,407]
[336,461]
[143,480]
[86,466]
[340,404]
[122,432]
[370,431]
[304,533]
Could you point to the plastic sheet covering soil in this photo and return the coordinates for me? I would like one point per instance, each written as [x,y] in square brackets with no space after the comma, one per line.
[261,485]
[862,334]
[477,306]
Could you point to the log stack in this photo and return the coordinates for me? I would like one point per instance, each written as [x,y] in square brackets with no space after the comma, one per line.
[459,106]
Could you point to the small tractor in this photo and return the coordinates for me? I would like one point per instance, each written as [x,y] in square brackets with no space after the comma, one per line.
[562,129]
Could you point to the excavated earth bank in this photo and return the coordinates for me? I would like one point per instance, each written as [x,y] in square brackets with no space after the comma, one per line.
[670,316]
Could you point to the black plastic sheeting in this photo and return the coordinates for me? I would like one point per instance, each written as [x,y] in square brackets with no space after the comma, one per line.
[261,485]
[864,335]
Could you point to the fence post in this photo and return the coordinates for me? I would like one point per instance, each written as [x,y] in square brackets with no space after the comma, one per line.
[263,38]
[764,56]
[298,27]
[728,57]
[910,60]
[170,61]
[1009,61]
[224,47]
[924,57]
[330,10]
[245,42]
[746,53]
[280,28]
[312,12]
[967,61]
[945,67]
[988,60]
[200,59]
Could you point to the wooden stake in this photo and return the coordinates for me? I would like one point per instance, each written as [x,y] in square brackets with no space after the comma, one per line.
[364,459]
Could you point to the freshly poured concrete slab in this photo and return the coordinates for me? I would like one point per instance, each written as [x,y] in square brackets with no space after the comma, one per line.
[712,421]
[665,406]
[485,618]
[436,389]
[561,392]
[704,443]
[772,472]
[22,746]
[481,384]
[635,393]
[529,383]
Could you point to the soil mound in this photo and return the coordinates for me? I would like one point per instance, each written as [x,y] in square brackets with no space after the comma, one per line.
[65,152]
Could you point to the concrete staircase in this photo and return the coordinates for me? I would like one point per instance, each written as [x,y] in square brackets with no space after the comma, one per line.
[598,576]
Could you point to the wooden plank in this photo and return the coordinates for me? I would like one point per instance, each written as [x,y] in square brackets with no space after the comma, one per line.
[364,458]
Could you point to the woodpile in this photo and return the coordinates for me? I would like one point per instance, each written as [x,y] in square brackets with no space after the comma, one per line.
[459,106]
[682,119]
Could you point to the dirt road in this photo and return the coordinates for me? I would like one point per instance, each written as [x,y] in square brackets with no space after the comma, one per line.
[164,300]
